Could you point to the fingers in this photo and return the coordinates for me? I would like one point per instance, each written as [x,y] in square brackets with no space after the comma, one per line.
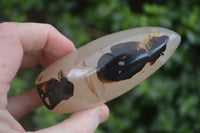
[8,124]
[23,103]
[46,44]
[27,44]
[81,122]
[41,42]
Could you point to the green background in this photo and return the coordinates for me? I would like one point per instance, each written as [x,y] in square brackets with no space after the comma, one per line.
[168,101]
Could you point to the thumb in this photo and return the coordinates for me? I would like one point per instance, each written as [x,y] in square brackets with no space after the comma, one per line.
[82,122]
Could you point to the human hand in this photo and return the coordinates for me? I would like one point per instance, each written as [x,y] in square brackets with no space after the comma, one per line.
[26,45]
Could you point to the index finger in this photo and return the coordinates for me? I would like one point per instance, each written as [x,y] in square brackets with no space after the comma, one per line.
[42,43]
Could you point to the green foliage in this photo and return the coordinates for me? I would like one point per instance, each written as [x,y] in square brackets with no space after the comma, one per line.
[168,101]
[45,118]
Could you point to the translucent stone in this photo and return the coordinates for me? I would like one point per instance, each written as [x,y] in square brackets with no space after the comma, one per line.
[105,68]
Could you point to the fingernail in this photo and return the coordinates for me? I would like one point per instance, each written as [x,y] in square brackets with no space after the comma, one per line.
[102,113]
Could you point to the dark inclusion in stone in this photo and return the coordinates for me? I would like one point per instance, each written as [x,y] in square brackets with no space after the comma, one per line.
[126,59]
[53,91]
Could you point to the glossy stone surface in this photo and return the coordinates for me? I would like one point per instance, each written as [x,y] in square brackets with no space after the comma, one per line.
[106,68]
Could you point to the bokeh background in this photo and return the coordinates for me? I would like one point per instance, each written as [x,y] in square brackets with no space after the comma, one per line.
[168,101]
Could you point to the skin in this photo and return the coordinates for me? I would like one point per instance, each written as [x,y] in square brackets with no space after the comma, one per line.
[25,45]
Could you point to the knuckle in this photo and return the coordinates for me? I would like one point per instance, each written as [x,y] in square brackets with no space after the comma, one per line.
[49,26]
[85,128]
[5,29]
[4,24]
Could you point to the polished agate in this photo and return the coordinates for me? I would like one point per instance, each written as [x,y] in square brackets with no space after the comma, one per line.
[105,68]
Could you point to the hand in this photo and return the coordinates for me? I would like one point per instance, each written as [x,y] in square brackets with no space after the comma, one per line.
[26,45]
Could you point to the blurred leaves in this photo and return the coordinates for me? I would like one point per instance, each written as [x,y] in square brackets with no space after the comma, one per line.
[45,118]
[168,101]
